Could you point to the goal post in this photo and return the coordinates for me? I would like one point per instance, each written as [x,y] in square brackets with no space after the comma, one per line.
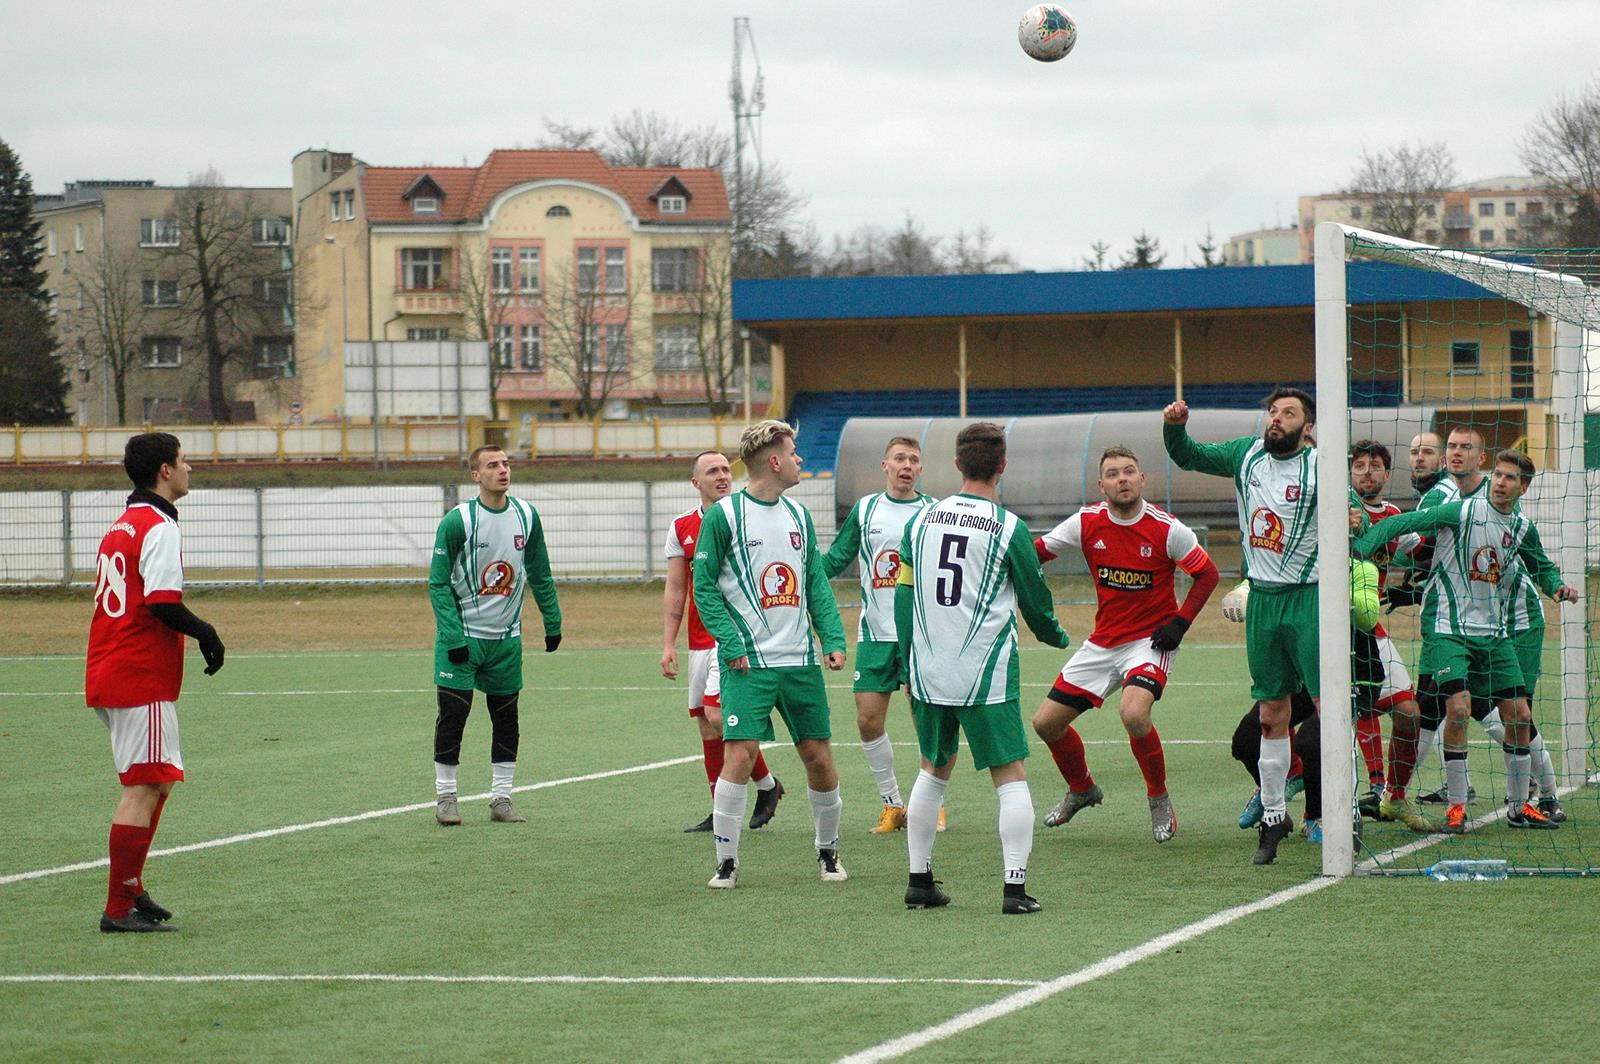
[1426,317]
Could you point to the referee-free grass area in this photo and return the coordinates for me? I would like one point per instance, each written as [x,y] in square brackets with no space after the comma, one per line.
[334,923]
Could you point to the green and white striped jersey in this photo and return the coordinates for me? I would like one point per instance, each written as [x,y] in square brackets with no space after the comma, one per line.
[1476,555]
[871,535]
[1277,500]
[966,565]
[483,560]
[759,584]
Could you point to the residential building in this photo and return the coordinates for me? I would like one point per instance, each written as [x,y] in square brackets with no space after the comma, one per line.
[602,290]
[1263,247]
[120,280]
[1496,212]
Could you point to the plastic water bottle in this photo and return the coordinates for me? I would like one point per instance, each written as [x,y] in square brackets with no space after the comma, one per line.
[1468,871]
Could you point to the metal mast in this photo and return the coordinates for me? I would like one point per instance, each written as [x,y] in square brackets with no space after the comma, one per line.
[747,107]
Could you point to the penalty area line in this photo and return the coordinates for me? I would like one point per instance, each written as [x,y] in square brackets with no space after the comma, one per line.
[514,980]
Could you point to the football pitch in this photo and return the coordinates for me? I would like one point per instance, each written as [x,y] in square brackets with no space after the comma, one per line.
[325,916]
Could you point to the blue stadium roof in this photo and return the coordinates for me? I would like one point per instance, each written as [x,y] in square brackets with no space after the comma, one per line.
[1007,295]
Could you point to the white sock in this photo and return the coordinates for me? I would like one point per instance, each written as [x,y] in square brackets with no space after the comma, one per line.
[1493,725]
[727,815]
[444,779]
[1518,769]
[1425,740]
[1273,765]
[827,809]
[503,774]
[880,759]
[1016,828]
[1543,766]
[1455,779]
[922,818]
[767,782]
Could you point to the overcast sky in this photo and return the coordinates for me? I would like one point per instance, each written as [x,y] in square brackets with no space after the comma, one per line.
[1170,116]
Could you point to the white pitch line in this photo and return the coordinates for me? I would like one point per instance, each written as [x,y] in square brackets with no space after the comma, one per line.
[518,980]
[337,821]
[201,695]
[897,1047]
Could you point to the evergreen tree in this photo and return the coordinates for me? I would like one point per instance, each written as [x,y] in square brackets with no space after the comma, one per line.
[1146,254]
[21,255]
[33,385]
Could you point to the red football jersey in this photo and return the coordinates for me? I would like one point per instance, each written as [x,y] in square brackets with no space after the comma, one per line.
[680,544]
[1374,515]
[134,659]
[1132,563]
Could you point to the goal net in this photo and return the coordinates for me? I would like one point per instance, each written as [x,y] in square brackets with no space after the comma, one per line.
[1444,358]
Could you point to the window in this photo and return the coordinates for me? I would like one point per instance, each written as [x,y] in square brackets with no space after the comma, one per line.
[676,350]
[425,205]
[532,349]
[588,360]
[503,355]
[528,260]
[162,352]
[350,205]
[422,269]
[588,269]
[558,211]
[49,241]
[616,346]
[427,334]
[1511,237]
[77,238]
[66,261]
[1355,212]
[333,206]
[616,269]
[1486,236]
[1511,209]
[273,290]
[675,269]
[672,204]
[269,231]
[1429,210]
[1559,207]
[1533,207]
[1486,209]
[500,269]
[1464,356]
[274,352]
[155,293]
[1521,358]
[158,232]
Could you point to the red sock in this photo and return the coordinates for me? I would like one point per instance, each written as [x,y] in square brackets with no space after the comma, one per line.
[155,817]
[713,760]
[128,846]
[1369,736]
[760,771]
[1402,762]
[1068,752]
[1152,762]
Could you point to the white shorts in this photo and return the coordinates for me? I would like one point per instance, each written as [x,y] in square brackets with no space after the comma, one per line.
[705,681]
[1396,680]
[1094,672]
[144,742]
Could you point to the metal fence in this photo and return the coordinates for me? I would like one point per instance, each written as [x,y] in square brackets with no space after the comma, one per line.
[266,536]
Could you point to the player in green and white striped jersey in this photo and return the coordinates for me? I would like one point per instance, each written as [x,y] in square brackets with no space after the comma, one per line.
[487,551]
[1275,482]
[871,537]
[966,564]
[760,588]
[1481,541]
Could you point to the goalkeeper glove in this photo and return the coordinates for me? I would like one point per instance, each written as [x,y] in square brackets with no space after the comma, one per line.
[1169,635]
[211,649]
[1235,601]
[457,655]
[551,642]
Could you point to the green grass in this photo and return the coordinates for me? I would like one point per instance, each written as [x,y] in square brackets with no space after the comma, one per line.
[601,882]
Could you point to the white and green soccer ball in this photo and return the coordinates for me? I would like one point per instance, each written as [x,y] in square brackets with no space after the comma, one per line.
[1047,32]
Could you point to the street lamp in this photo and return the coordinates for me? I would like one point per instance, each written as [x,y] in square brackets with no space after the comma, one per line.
[344,327]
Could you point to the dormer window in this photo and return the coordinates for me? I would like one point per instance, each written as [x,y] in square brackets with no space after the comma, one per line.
[425,205]
[558,211]
[671,197]
[672,204]
[424,195]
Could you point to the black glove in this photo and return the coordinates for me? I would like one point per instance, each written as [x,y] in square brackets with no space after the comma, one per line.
[551,642]
[458,655]
[1169,635]
[1404,593]
[211,649]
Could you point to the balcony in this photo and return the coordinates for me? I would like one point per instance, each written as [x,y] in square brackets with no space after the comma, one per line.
[427,301]
[1456,218]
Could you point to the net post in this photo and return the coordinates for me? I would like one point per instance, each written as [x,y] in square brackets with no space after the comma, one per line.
[1569,397]
[1333,552]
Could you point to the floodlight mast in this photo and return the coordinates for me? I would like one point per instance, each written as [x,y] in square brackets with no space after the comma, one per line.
[747,108]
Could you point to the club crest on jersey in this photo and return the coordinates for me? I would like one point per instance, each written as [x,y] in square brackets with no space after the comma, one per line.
[1266,530]
[1291,493]
[1485,566]
[779,586]
[794,540]
[1146,551]
[1118,578]
[497,579]
[1505,539]
[518,542]
[885,568]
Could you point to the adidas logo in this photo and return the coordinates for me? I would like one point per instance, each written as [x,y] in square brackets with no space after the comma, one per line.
[687,540]
[1099,544]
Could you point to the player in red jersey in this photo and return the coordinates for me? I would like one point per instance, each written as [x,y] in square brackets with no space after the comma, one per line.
[1132,550]
[712,477]
[135,666]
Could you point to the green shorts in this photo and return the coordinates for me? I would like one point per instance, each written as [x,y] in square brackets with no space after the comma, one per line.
[878,666]
[493,666]
[994,732]
[1529,647]
[1487,665]
[796,692]
[1280,640]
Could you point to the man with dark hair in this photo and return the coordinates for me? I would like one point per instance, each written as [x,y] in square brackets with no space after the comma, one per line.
[966,564]
[1275,480]
[871,536]
[487,552]
[712,477]
[134,671]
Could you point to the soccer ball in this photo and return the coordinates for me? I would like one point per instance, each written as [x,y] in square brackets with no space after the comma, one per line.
[1047,32]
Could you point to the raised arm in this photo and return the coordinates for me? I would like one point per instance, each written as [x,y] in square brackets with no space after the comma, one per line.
[1216,459]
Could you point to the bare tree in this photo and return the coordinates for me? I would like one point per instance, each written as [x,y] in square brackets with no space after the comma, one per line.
[588,332]
[707,304]
[976,253]
[114,314]
[649,138]
[1399,184]
[1563,147]
[1095,261]
[229,270]
[486,295]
